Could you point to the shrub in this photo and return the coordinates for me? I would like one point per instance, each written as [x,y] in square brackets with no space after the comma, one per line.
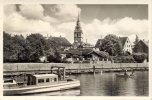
[124,59]
[140,57]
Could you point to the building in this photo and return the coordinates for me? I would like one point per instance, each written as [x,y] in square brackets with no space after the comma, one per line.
[78,34]
[141,46]
[126,44]
[62,42]
[97,45]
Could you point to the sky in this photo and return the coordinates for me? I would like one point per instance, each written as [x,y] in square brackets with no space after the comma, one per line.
[97,20]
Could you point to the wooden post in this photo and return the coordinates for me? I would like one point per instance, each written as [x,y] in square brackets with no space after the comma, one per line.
[59,74]
[63,73]
[94,69]
[51,70]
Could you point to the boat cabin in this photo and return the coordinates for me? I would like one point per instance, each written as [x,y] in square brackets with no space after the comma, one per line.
[42,78]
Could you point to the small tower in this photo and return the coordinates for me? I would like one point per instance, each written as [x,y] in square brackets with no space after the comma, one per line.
[78,32]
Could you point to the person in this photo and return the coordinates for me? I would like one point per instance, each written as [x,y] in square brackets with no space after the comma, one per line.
[132,73]
[125,72]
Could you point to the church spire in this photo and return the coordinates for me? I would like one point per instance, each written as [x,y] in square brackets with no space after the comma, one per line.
[78,31]
[78,16]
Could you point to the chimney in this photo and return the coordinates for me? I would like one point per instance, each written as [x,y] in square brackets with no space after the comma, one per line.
[143,40]
[86,41]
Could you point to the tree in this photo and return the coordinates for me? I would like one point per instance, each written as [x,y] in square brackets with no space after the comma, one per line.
[112,45]
[13,48]
[136,40]
[7,47]
[53,51]
[35,47]
[19,47]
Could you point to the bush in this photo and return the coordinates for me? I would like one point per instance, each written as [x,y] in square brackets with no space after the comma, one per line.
[140,57]
[86,61]
[124,59]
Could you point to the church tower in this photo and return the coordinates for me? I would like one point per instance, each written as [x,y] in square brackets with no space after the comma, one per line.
[78,33]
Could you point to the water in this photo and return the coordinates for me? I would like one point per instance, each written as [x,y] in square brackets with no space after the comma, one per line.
[107,84]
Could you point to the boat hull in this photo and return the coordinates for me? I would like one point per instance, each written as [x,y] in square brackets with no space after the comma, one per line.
[42,89]
[121,75]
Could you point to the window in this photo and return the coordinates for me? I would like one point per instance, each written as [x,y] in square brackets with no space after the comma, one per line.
[40,80]
[8,81]
[47,80]
[55,79]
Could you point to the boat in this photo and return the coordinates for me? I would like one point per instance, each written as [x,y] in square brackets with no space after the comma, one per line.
[39,83]
[122,75]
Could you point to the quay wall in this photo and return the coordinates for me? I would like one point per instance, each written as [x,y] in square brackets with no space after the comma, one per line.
[47,66]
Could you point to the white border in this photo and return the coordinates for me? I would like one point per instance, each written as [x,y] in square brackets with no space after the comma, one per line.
[149,2]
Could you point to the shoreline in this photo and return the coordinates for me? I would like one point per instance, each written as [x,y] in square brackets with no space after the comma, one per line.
[84,68]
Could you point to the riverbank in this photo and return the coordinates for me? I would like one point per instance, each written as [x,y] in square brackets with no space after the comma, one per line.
[46,66]
[33,68]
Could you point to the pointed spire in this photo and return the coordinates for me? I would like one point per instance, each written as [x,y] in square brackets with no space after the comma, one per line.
[78,16]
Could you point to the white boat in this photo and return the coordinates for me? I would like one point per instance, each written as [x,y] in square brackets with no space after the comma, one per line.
[39,83]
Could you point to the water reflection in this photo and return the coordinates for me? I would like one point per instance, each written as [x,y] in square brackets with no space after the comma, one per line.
[107,84]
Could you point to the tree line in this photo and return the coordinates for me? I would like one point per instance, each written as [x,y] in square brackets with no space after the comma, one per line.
[19,49]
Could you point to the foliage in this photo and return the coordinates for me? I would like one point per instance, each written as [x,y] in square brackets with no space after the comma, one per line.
[112,45]
[18,49]
[140,57]
[35,44]
[124,59]
[13,47]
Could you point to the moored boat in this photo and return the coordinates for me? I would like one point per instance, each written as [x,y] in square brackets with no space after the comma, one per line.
[39,83]
[122,75]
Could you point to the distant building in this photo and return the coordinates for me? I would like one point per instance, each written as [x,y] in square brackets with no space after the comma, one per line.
[97,45]
[126,44]
[62,42]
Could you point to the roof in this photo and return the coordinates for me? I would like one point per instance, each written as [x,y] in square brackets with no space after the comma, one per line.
[145,42]
[61,41]
[80,52]
[45,75]
[123,40]
[87,45]
[99,41]
[100,53]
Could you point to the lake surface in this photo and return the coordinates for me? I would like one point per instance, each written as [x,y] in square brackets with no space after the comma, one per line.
[107,84]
